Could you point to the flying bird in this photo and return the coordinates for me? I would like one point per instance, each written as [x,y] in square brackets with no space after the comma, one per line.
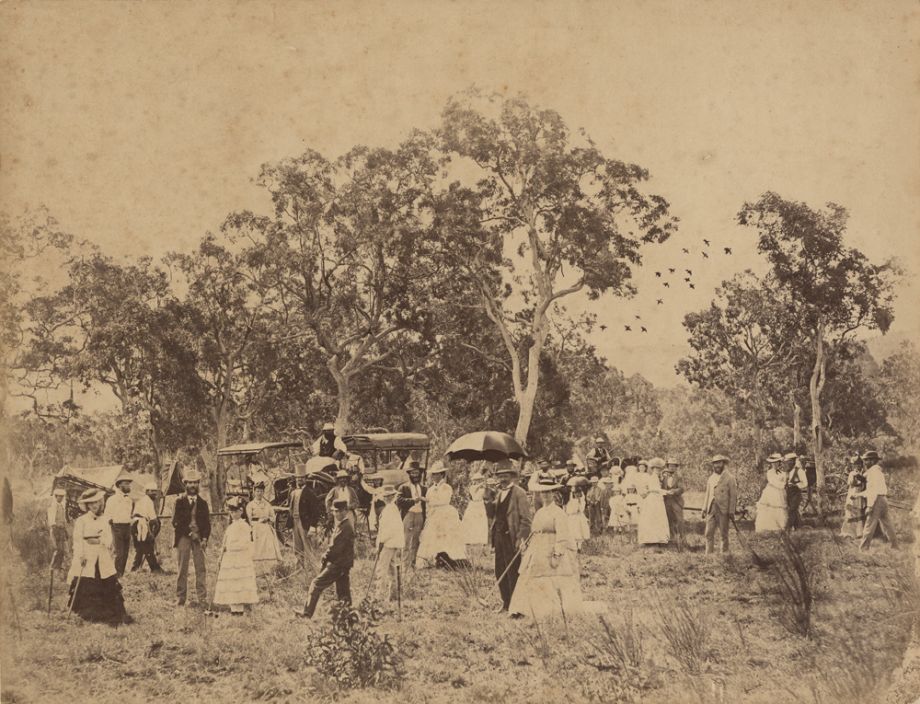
[667,285]
[628,329]
[689,273]
[707,242]
[705,256]
[687,279]
[658,274]
[671,269]
[638,317]
[728,250]
[686,251]
[660,301]
[603,327]
[692,286]
[644,329]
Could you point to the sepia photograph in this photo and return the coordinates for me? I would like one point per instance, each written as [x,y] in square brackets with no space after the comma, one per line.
[442,352]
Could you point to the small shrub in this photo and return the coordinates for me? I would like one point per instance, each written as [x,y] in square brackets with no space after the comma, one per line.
[352,652]
[686,631]
[471,581]
[795,578]
[620,650]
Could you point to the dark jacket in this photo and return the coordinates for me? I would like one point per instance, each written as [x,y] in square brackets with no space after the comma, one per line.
[182,517]
[519,515]
[341,550]
[404,500]
[309,508]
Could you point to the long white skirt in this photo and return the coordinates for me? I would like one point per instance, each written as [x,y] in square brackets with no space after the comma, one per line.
[442,533]
[771,510]
[475,525]
[653,521]
[266,551]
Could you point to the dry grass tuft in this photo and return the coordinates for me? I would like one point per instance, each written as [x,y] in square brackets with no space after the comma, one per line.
[685,629]
[796,580]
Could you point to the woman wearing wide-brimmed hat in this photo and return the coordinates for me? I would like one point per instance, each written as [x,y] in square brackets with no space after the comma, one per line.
[95,593]
[236,578]
[771,507]
[441,541]
[548,584]
[653,517]
[261,516]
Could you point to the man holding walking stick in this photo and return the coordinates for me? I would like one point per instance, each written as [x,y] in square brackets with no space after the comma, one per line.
[510,529]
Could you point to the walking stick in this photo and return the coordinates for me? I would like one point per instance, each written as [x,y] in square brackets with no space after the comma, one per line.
[76,588]
[511,562]
[398,593]
[370,582]
[51,581]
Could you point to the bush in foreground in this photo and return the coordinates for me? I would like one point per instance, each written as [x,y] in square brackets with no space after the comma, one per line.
[350,650]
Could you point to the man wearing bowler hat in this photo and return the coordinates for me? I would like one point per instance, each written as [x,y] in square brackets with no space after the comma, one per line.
[337,562]
[510,529]
[876,495]
[719,503]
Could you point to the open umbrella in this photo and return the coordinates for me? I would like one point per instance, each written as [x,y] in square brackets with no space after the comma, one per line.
[319,464]
[489,445]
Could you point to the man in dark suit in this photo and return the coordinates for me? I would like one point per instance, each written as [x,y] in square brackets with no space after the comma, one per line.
[337,562]
[411,503]
[510,529]
[192,524]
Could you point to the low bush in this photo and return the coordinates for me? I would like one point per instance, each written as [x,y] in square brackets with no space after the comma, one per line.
[351,652]
[686,632]
[795,579]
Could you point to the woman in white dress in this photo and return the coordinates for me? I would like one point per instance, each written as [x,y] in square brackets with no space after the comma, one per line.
[548,585]
[442,539]
[475,525]
[236,578]
[575,510]
[771,507]
[261,515]
[630,487]
[653,517]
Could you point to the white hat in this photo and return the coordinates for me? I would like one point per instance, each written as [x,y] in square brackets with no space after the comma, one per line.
[775,457]
[91,496]
[719,458]
[386,490]
[328,426]
[191,475]
[656,463]
[790,456]
[437,468]
[673,461]
[59,491]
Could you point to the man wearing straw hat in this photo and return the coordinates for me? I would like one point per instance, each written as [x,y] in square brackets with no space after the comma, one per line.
[673,490]
[337,562]
[719,503]
[57,525]
[119,511]
[510,529]
[411,503]
[192,524]
[391,540]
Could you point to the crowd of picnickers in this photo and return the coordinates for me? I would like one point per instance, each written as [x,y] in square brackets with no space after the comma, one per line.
[534,516]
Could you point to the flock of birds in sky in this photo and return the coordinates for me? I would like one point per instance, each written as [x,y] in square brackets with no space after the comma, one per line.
[688,279]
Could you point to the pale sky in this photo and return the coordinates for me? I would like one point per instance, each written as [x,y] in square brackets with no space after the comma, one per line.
[141,125]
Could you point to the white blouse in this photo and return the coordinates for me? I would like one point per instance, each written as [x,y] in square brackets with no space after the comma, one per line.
[90,527]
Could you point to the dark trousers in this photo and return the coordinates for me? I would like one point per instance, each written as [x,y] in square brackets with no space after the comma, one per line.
[329,575]
[145,549]
[675,513]
[121,542]
[793,501]
[59,535]
[504,552]
[191,548]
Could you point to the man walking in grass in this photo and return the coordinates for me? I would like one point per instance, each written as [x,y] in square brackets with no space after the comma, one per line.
[510,529]
[876,494]
[719,503]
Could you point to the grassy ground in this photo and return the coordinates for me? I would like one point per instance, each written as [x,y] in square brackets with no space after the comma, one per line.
[731,645]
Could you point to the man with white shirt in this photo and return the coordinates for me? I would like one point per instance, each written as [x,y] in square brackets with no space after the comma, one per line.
[146,527]
[329,444]
[57,526]
[119,509]
[876,494]
[391,539]
[411,503]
